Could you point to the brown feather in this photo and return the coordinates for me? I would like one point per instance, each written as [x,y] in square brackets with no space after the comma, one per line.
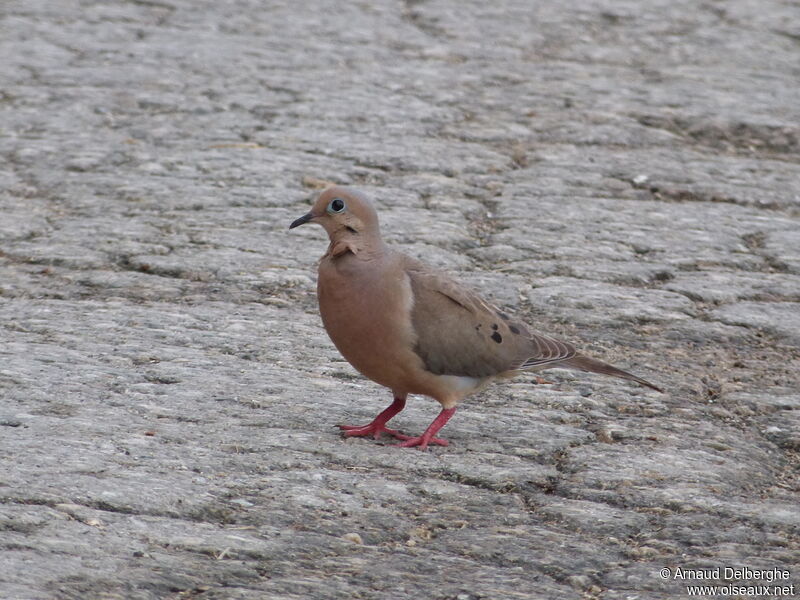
[480,340]
[592,365]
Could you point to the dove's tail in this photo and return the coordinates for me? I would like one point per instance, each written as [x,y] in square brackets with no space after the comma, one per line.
[584,363]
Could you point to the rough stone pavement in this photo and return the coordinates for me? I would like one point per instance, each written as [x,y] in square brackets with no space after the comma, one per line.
[625,175]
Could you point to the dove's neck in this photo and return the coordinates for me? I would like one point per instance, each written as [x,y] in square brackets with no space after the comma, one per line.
[365,245]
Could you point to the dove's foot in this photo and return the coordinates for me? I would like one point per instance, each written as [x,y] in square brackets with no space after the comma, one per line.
[421,443]
[378,425]
[374,429]
[426,438]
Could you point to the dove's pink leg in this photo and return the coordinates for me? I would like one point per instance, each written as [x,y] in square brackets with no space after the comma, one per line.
[427,437]
[378,424]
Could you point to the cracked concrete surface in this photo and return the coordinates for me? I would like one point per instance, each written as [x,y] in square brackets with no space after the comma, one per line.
[624,175]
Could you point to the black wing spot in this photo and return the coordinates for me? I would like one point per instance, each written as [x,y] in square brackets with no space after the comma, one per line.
[514,329]
[494,326]
[497,337]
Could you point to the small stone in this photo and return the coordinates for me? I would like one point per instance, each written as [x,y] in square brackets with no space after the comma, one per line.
[69,509]
[642,552]
[242,502]
[609,435]
[604,435]
[421,533]
[718,445]
[315,183]
[579,582]
[353,537]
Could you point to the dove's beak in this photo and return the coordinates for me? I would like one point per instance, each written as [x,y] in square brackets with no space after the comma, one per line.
[301,221]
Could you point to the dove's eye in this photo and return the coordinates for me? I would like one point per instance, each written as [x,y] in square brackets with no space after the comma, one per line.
[336,206]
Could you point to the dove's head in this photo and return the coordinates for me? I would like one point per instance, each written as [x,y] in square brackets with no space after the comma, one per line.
[347,216]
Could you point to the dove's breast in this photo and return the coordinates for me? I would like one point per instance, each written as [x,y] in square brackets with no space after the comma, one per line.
[366,310]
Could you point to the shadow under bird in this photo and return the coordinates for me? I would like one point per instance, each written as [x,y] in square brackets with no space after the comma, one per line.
[412,328]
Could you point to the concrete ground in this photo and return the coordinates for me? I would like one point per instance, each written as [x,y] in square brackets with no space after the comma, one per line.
[624,175]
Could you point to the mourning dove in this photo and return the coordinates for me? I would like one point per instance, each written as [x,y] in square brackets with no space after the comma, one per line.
[413,329]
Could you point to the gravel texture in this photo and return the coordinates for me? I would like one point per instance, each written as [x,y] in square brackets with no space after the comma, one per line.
[624,175]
